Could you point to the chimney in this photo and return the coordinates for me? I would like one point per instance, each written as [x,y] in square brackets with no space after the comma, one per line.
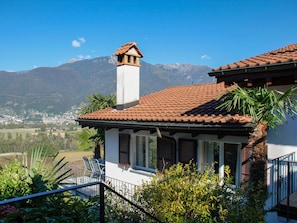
[128,65]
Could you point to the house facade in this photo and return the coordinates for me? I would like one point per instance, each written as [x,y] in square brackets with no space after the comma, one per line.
[182,124]
[177,124]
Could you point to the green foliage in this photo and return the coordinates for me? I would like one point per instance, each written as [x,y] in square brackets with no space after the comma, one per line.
[267,106]
[14,181]
[84,142]
[185,194]
[50,170]
[43,173]
[59,208]
[97,102]
[248,206]
[25,142]
[119,210]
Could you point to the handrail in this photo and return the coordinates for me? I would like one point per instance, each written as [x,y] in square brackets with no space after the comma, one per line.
[278,175]
[283,157]
[101,197]
[129,201]
[45,193]
[284,181]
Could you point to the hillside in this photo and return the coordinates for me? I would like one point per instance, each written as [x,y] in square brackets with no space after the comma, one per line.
[57,89]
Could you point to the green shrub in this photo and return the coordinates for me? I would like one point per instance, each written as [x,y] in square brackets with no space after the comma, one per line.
[185,194]
[59,208]
[14,181]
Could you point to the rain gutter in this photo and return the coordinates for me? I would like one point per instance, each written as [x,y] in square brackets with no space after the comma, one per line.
[168,126]
[272,67]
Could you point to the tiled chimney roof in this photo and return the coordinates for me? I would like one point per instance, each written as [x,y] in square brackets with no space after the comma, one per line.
[180,104]
[126,47]
[286,54]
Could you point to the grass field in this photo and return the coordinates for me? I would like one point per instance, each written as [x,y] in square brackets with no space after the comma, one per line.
[72,156]
[18,132]
[13,133]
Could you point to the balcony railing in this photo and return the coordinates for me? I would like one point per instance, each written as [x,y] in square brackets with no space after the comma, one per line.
[99,188]
[283,178]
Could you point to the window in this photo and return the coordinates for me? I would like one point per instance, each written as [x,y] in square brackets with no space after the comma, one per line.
[146,152]
[231,158]
[120,58]
[224,154]
[187,150]
[165,153]
[124,149]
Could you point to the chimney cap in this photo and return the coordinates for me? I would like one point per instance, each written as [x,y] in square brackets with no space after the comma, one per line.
[126,47]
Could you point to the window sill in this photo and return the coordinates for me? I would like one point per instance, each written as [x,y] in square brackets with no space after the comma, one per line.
[143,172]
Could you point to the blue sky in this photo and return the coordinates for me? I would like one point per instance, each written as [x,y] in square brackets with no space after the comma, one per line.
[37,33]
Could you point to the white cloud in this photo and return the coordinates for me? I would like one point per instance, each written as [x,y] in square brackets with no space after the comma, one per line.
[79,57]
[82,57]
[82,40]
[205,57]
[72,60]
[77,42]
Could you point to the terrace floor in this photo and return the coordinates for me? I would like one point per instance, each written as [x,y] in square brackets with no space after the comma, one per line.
[291,210]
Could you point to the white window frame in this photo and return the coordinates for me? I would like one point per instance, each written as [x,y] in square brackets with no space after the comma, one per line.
[221,163]
[144,168]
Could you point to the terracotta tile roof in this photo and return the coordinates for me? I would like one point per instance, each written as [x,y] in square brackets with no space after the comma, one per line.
[283,55]
[126,47]
[180,104]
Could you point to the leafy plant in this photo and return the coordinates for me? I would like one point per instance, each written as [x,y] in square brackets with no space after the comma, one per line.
[263,105]
[42,166]
[183,193]
[63,208]
[97,102]
[14,181]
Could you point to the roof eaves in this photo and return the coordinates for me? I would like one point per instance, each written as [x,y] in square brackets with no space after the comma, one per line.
[166,125]
[254,69]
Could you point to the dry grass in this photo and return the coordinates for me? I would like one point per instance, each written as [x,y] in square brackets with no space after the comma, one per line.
[73,157]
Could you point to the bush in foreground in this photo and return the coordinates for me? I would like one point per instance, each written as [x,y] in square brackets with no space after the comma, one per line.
[185,194]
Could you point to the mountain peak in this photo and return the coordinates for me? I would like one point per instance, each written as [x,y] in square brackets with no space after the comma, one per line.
[57,89]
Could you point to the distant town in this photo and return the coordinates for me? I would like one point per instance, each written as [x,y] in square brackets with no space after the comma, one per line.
[7,117]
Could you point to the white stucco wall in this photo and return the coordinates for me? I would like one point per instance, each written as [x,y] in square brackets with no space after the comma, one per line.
[134,176]
[112,159]
[283,139]
[127,84]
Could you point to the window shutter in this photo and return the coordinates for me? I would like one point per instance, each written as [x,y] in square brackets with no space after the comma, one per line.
[187,150]
[124,149]
[246,151]
[165,153]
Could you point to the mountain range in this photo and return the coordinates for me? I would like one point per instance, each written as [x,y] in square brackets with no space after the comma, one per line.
[56,89]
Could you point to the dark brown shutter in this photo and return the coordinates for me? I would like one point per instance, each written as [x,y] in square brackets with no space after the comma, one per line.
[124,149]
[246,151]
[187,150]
[165,153]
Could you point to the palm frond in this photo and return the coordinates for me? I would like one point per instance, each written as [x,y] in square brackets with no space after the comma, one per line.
[268,106]
[52,171]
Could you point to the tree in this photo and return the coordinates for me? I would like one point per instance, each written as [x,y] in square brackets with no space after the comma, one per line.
[268,108]
[97,102]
